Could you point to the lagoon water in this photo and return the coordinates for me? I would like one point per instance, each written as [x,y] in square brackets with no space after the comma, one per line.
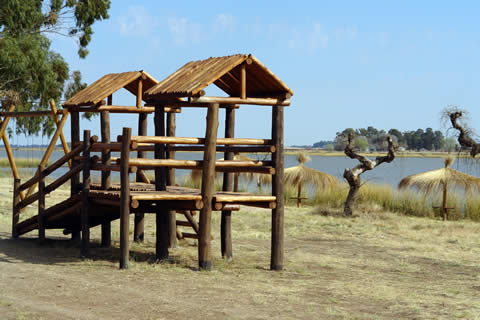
[387,173]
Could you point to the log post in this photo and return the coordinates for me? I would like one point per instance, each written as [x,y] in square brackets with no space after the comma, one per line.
[162,219]
[172,215]
[15,211]
[106,233]
[85,190]
[208,188]
[75,138]
[41,203]
[124,198]
[243,81]
[226,223]
[276,260]
[139,226]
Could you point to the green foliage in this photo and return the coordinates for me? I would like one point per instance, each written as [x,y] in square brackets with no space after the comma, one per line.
[36,74]
[30,73]
[73,18]
[412,140]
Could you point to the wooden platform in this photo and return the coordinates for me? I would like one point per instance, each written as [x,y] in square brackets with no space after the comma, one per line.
[180,196]
[144,198]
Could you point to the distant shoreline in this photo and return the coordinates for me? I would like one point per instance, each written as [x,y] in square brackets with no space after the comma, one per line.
[398,154]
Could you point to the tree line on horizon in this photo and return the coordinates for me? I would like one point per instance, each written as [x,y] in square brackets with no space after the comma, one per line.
[373,139]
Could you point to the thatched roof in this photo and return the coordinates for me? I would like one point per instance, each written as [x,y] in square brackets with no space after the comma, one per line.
[107,85]
[224,72]
[434,180]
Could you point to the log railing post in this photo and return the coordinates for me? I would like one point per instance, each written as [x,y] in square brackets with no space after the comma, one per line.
[106,231]
[162,220]
[75,138]
[41,203]
[139,225]
[15,211]
[172,215]
[85,189]
[276,260]
[226,222]
[124,198]
[208,188]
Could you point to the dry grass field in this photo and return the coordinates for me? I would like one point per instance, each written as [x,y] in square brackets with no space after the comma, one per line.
[377,265]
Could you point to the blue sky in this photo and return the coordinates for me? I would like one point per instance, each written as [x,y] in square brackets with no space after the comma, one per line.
[349,63]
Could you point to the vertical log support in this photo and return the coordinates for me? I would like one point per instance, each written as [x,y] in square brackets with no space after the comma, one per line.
[276,261]
[106,234]
[41,203]
[243,80]
[162,220]
[139,225]
[75,138]
[208,188]
[172,215]
[15,211]
[85,190]
[226,223]
[124,197]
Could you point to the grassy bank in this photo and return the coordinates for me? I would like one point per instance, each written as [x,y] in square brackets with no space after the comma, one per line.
[386,198]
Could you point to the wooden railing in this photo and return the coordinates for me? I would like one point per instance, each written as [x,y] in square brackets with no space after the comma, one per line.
[43,189]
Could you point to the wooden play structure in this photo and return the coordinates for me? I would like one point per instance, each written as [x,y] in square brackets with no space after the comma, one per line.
[244,79]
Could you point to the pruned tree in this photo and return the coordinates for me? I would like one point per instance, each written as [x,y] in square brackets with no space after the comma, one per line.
[353,175]
[456,115]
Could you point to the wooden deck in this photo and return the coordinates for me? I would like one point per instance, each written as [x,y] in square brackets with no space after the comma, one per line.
[143,198]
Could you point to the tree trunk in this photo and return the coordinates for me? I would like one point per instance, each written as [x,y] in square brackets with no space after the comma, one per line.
[354,183]
[353,175]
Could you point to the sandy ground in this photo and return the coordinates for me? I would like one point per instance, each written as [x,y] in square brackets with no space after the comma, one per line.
[374,266]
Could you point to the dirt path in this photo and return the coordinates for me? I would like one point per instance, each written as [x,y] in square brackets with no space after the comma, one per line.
[336,268]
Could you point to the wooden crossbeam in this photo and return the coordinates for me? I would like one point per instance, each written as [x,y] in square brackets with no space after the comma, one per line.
[50,148]
[66,150]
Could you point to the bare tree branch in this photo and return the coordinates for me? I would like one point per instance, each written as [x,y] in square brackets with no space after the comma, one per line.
[463,137]
[353,175]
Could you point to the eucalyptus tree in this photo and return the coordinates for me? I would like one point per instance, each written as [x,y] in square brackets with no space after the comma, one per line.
[30,72]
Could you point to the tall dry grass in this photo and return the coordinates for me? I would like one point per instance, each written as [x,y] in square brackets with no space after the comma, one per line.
[408,202]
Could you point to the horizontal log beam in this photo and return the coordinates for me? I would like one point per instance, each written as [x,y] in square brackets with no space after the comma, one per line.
[146,147]
[174,163]
[264,205]
[219,206]
[19,114]
[235,100]
[188,140]
[124,109]
[166,196]
[238,199]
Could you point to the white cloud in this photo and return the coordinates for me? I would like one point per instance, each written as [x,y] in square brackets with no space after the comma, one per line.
[183,31]
[138,22]
[316,38]
[224,23]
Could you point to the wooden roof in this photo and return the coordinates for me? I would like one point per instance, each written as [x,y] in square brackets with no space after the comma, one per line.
[107,85]
[224,72]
